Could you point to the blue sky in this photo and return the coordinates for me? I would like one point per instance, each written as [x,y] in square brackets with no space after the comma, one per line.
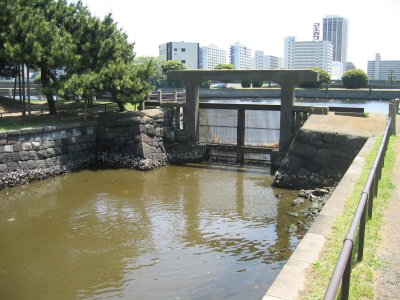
[374,26]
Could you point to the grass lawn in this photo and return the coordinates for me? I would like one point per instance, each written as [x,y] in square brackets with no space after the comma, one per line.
[362,275]
[68,111]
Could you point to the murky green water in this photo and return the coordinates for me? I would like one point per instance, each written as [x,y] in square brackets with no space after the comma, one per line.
[188,232]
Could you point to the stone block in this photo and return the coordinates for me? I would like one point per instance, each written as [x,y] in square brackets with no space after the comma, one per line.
[24,155]
[5,158]
[31,164]
[323,157]
[41,164]
[158,132]
[12,166]
[77,148]
[38,137]
[329,137]
[22,165]
[35,146]
[48,162]
[47,144]
[90,130]
[76,132]
[47,136]
[303,151]
[8,148]
[33,155]
[18,147]
[3,168]
[150,130]
[42,154]
[15,156]
[50,152]
[292,163]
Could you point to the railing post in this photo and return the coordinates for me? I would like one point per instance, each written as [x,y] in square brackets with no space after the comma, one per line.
[175,95]
[361,230]
[159,96]
[344,293]
[240,135]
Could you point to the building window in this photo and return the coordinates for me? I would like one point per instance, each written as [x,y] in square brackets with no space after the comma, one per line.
[175,49]
[183,49]
[183,61]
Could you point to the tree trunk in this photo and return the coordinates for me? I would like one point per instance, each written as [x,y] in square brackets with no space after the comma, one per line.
[23,91]
[49,95]
[121,106]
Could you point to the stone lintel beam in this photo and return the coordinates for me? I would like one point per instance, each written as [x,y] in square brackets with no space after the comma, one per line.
[288,77]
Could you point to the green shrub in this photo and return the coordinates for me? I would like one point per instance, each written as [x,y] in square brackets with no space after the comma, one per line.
[246,83]
[205,84]
[257,83]
[324,78]
[355,79]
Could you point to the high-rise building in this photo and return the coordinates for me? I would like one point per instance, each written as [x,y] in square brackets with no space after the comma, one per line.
[383,69]
[211,56]
[261,61]
[308,54]
[186,53]
[240,56]
[335,30]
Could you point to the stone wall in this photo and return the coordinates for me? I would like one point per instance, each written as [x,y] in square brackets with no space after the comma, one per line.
[40,153]
[317,159]
[134,140]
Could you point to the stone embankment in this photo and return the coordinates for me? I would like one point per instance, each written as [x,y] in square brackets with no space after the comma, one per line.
[136,140]
[317,159]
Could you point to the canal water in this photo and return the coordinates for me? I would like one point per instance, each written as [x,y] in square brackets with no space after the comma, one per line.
[177,232]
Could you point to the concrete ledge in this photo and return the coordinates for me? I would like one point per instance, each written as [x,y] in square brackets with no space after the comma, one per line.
[292,278]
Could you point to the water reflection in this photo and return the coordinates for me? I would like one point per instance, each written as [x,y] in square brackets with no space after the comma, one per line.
[194,232]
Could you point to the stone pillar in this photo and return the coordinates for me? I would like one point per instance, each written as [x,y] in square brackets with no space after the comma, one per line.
[192,111]
[286,130]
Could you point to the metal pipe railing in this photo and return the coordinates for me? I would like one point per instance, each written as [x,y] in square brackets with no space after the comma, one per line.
[342,273]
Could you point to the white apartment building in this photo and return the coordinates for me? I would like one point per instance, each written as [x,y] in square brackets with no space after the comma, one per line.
[186,53]
[240,56]
[261,61]
[211,56]
[308,54]
[335,30]
[383,69]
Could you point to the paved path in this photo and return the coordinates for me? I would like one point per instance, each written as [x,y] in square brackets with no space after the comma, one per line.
[387,281]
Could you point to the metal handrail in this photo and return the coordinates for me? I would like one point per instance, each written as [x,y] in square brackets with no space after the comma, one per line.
[342,272]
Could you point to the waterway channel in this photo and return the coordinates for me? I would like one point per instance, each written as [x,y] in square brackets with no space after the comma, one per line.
[177,232]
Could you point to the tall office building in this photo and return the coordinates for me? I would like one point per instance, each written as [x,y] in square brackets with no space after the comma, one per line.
[240,56]
[261,61]
[383,69]
[335,30]
[186,53]
[308,54]
[211,56]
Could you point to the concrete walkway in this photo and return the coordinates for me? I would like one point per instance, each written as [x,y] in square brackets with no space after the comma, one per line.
[387,280]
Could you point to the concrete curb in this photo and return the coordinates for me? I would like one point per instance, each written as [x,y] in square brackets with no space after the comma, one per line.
[292,278]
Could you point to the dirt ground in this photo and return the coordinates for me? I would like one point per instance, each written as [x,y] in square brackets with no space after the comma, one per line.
[387,281]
